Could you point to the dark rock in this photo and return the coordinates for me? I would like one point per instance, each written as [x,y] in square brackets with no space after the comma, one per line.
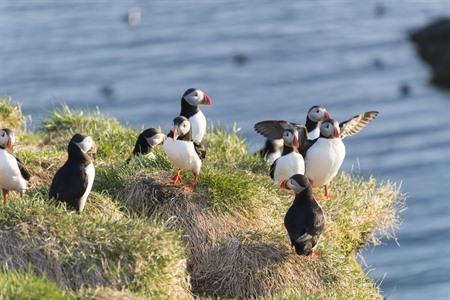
[433,44]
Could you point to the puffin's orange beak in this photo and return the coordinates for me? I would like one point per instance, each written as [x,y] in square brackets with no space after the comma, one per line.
[283,184]
[327,115]
[175,135]
[93,149]
[10,145]
[207,99]
[337,132]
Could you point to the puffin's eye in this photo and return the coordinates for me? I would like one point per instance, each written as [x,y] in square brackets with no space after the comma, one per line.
[318,111]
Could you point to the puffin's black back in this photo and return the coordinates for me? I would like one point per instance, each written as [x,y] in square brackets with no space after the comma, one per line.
[142,146]
[70,181]
[304,222]
[188,110]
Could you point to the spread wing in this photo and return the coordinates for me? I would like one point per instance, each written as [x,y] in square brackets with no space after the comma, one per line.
[357,123]
[25,173]
[200,149]
[273,129]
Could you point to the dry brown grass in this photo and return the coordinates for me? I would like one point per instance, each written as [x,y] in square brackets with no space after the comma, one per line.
[234,255]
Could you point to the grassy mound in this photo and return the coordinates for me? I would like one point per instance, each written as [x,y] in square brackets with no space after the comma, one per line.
[142,237]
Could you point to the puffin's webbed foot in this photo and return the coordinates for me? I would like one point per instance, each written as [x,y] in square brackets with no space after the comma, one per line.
[177,178]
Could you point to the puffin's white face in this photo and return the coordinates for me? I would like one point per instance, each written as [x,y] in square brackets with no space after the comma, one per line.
[7,139]
[181,129]
[293,185]
[290,138]
[156,139]
[87,145]
[330,129]
[318,114]
[197,97]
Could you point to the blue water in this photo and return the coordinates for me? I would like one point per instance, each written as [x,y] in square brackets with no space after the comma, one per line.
[341,54]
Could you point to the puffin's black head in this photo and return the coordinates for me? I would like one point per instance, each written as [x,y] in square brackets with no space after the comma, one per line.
[330,129]
[7,139]
[195,97]
[180,127]
[317,114]
[153,136]
[297,183]
[83,143]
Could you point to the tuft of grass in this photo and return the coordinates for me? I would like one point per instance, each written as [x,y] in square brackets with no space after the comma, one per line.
[27,286]
[11,115]
[113,140]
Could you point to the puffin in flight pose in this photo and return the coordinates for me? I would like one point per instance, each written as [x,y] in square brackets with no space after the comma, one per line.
[147,140]
[183,152]
[324,155]
[13,175]
[291,161]
[273,147]
[190,102]
[304,220]
[73,182]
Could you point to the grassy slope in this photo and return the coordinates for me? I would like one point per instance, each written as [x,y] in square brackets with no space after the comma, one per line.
[140,236]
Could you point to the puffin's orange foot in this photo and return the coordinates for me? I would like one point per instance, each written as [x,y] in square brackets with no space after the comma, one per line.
[176,179]
[315,254]
[326,191]
[189,188]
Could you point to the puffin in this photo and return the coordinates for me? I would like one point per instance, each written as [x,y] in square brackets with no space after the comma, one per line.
[147,140]
[13,174]
[325,154]
[73,182]
[304,220]
[190,102]
[273,148]
[184,153]
[291,161]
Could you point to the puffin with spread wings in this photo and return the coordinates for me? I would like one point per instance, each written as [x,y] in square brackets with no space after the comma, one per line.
[293,135]
[325,154]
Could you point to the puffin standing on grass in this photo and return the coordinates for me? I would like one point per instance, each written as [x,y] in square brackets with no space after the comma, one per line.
[183,152]
[324,155]
[147,140]
[291,161]
[304,220]
[190,102]
[13,175]
[273,148]
[73,181]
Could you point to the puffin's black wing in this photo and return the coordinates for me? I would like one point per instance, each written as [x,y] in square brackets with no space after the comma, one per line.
[304,147]
[272,169]
[273,129]
[25,173]
[357,123]
[200,149]
[69,185]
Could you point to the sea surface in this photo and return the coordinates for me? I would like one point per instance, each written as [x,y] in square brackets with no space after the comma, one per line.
[259,60]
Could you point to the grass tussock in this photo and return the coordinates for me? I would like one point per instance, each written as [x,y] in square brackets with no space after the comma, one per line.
[141,237]
[11,115]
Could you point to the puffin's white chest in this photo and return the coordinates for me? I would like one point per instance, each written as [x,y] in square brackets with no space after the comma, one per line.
[198,123]
[314,134]
[90,173]
[323,160]
[10,177]
[289,165]
[182,154]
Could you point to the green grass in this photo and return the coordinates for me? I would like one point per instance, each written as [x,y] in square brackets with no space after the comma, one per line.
[27,286]
[11,115]
[140,237]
